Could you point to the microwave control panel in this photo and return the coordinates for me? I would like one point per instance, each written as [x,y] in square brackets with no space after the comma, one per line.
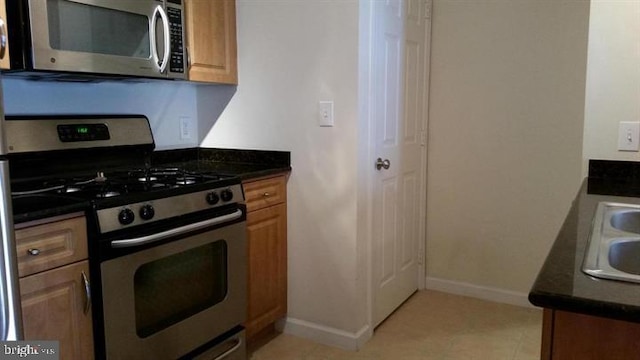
[176,63]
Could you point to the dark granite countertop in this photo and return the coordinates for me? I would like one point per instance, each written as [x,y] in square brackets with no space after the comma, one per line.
[34,207]
[561,284]
[246,164]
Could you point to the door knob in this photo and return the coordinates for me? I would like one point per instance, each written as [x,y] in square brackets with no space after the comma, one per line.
[382,164]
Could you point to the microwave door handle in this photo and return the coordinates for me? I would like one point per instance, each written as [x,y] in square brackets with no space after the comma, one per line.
[153,36]
[167,39]
[3,39]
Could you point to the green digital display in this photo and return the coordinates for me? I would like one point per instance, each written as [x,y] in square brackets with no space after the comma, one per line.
[83,132]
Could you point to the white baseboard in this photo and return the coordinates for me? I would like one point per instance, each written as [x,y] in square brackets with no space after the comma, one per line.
[324,334]
[480,292]
[353,341]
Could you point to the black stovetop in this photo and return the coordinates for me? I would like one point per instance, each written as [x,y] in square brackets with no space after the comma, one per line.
[114,183]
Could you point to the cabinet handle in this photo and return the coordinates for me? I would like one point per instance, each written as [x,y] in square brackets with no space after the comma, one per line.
[33,252]
[87,292]
[266,194]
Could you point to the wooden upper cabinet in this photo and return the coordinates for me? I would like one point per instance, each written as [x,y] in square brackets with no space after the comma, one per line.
[211,40]
[4,51]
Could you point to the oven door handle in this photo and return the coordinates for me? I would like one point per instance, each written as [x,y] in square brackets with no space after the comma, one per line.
[233,349]
[177,231]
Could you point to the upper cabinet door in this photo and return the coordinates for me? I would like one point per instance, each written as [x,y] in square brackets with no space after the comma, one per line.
[211,40]
[4,37]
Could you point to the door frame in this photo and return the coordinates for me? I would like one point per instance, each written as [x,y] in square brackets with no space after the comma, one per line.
[366,156]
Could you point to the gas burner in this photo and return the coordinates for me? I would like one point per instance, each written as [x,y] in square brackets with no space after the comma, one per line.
[108,194]
[185,180]
[166,171]
[100,177]
[147,178]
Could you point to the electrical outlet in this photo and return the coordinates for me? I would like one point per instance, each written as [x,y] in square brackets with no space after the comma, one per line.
[629,136]
[185,128]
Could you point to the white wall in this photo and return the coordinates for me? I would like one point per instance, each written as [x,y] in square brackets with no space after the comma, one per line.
[613,78]
[505,136]
[163,102]
[291,55]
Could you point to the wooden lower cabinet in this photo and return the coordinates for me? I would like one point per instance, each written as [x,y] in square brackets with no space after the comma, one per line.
[267,255]
[55,307]
[567,335]
[54,284]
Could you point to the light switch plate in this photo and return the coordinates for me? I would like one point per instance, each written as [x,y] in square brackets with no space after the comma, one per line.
[325,113]
[629,136]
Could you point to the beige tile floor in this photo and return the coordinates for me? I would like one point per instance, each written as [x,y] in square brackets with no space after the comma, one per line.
[431,325]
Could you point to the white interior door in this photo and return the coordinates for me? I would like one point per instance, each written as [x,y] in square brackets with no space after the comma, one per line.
[399,97]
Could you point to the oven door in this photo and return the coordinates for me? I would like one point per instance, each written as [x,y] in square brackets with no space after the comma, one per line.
[164,301]
[103,36]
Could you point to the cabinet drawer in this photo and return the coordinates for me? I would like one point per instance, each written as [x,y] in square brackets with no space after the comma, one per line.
[46,246]
[263,193]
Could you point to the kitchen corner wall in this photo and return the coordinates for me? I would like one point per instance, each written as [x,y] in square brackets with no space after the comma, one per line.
[505,139]
[163,102]
[613,78]
[291,55]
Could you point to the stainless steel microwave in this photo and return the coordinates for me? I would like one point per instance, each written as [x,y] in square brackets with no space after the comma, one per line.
[144,38]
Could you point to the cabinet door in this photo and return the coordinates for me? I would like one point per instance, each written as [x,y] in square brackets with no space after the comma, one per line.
[267,267]
[568,335]
[211,40]
[4,49]
[53,308]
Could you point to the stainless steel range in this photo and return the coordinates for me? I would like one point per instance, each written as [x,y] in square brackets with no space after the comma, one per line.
[167,245]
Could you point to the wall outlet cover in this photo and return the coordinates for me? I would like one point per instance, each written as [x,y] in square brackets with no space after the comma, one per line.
[186,128]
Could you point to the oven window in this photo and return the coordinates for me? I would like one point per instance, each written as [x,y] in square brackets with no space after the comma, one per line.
[98,30]
[176,287]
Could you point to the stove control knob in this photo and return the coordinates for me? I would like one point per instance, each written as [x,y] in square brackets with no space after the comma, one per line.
[226,195]
[126,216]
[213,198]
[147,212]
